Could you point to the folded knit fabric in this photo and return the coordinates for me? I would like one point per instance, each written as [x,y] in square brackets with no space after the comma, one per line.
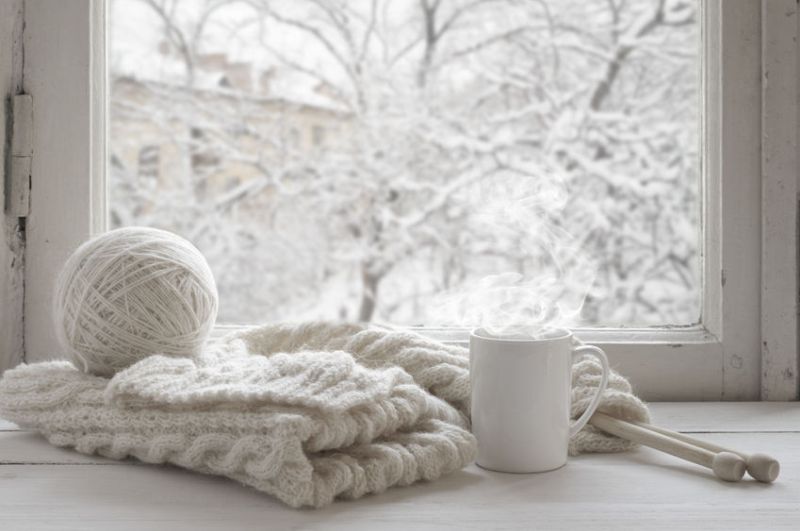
[308,413]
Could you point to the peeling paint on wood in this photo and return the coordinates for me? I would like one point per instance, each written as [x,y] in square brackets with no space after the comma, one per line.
[12,241]
[12,294]
[65,75]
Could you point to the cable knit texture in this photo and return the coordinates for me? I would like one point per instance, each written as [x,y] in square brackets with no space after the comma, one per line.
[306,412]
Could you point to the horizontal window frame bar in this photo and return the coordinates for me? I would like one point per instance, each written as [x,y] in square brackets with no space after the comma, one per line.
[662,364]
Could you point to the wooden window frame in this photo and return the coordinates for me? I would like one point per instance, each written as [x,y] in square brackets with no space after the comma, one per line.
[746,346]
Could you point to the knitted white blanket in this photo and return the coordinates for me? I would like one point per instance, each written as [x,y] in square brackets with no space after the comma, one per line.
[307,413]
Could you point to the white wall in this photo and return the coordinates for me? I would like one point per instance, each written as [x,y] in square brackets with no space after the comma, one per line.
[11,240]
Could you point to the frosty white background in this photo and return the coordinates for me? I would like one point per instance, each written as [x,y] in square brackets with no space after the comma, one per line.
[358,159]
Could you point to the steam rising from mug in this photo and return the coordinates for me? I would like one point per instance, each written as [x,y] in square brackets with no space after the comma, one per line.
[553,284]
[131,293]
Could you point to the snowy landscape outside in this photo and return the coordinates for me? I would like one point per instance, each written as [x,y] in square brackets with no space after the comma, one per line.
[416,162]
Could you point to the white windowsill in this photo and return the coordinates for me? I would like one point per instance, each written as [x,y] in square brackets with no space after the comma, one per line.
[638,490]
[676,335]
[678,363]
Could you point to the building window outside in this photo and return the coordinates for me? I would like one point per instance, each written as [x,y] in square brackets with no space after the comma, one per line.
[317,136]
[148,163]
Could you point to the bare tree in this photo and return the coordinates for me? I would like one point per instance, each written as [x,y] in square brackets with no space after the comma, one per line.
[444,106]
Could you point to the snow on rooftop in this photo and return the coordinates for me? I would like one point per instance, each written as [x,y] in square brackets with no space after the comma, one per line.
[228,58]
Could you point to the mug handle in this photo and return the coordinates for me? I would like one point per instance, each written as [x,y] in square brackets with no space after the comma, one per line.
[576,426]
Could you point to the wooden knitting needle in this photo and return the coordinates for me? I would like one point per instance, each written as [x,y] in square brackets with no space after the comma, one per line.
[760,466]
[725,465]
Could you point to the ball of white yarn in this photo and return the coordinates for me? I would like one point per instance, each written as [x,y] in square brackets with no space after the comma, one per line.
[131,293]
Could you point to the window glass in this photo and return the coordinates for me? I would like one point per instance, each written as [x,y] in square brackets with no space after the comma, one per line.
[418,162]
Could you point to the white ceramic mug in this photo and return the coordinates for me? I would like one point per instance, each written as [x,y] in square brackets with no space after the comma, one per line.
[521,399]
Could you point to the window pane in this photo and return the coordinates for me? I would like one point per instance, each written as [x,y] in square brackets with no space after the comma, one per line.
[418,162]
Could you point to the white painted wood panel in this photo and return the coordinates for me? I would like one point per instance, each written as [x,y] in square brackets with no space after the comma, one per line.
[728,416]
[779,253]
[64,73]
[27,447]
[643,489]
[11,241]
[7,426]
[639,490]
[731,198]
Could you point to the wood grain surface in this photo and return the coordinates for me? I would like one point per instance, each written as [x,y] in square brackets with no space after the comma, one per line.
[43,487]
